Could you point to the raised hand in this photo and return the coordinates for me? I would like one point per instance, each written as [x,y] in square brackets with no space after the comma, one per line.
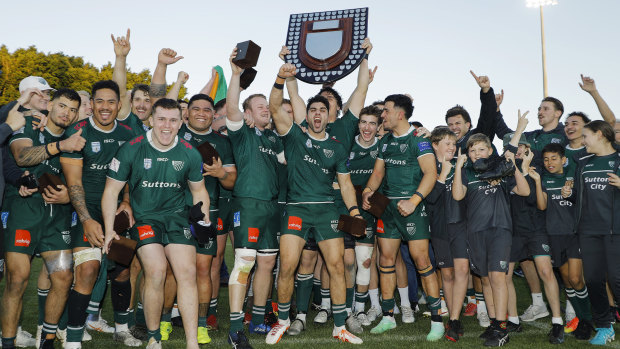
[371,75]
[74,143]
[499,98]
[587,84]
[367,45]
[168,56]
[483,81]
[446,165]
[25,97]
[461,159]
[182,77]
[283,52]
[567,190]
[236,70]
[121,45]
[15,119]
[522,121]
[532,172]
[287,70]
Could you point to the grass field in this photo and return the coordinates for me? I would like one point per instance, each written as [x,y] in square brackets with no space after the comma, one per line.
[534,334]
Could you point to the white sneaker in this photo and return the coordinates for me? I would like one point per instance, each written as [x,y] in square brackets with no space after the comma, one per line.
[277,331]
[354,324]
[38,336]
[372,315]
[86,336]
[100,326]
[321,317]
[483,319]
[396,310]
[444,308]
[362,318]
[72,345]
[61,335]
[570,316]
[127,339]
[534,312]
[24,339]
[408,317]
[422,300]
[345,336]
[153,344]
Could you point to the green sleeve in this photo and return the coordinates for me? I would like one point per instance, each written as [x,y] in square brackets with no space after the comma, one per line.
[226,153]
[26,132]
[195,166]
[423,146]
[120,165]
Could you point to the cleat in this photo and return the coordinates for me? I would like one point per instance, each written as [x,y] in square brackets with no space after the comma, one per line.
[354,325]
[153,344]
[165,328]
[258,329]
[86,336]
[488,333]
[387,323]
[556,335]
[100,326]
[346,337]
[372,315]
[297,326]
[483,319]
[72,345]
[437,331]
[138,331]
[127,339]
[277,332]
[407,317]
[470,309]
[603,336]
[534,312]
[572,325]
[444,309]
[212,323]
[37,338]
[512,327]
[61,335]
[203,335]
[452,331]
[362,318]
[583,331]
[238,340]
[498,338]
[321,317]
[247,318]
[24,339]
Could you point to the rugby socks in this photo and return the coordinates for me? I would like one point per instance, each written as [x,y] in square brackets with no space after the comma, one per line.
[203,309]
[156,335]
[374,298]
[8,343]
[360,301]
[326,300]
[556,321]
[121,294]
[258,314]
[316,290]
[349,299]
[304,287]
[77,303]
[48,330]
[471,295]
[283,311]
[269,305]
[387,306]
[64,318]
[140,319]
[166,315]
[404,296]
[42,298]
[482,306]
[581,303]
[131,318]
[212,307]
[340,314]
[434,305]
[537,299]
[569,305]
[236,321]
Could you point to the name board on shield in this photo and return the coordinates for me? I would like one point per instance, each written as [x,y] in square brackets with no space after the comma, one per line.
[326,46]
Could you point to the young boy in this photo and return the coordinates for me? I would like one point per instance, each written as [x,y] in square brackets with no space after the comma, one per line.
[563,241]
[489,228]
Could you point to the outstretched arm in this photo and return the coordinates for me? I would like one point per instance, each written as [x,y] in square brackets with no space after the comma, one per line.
[298,104]
[587,84]
[165,57]
[176,87]
[119,75]
[488,107]
[233,113]
[521,125]
[207,89]
[364,77]
[279,115]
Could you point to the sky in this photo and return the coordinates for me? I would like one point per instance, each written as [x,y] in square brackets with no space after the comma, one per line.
[424,48]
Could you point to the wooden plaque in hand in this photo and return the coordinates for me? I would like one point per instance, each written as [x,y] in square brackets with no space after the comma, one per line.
[247,77]
[121,222]
[247,54]
[122,251]
[353,225]
[208,153]
[49,179]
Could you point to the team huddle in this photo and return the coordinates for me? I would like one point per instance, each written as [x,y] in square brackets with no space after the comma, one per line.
[329,204]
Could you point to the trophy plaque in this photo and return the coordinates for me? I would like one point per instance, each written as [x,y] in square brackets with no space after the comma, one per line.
[247,54]
[326,46]
[247,77]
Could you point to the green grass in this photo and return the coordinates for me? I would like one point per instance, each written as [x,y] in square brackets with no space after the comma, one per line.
[534,334]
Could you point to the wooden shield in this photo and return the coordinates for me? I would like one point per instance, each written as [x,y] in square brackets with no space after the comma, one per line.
[325,46]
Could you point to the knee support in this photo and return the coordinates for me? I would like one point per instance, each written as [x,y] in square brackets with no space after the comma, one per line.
[61,261]
[428,271]
[89,254]
[242,268]
[362,254]
[387,269]
[267,252]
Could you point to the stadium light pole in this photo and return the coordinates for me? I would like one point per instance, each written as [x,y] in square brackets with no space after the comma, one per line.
[540,4]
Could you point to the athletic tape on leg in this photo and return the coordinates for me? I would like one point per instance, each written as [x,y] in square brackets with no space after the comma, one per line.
[61,261]
[89,254]
[362,254]
[242,268]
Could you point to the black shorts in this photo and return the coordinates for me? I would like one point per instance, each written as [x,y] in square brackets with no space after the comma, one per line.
[455,246]
[349,241]
[524,247]
[563,248]
[489,250]
[311,245]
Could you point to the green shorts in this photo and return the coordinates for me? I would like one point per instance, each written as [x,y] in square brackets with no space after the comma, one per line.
[317,221]
[255,224]
[371,223]
[395,226]
[210,248]
[78,238]
[225,216]
[33,227]
[172,230]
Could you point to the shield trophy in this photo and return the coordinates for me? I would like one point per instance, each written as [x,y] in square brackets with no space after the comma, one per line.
[326,46]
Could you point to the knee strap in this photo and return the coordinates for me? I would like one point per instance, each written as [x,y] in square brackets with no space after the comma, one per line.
[362,254]
[242,267]
[267,252]
[89,254]
[387,269]
[428,271]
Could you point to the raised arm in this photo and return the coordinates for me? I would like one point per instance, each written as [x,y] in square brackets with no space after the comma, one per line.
[176,87]
[488,107]
[364,77]
[206,90]
[587,84]
[458,189]
[119,75]
[233,113]
[165,57]
[521,125]
[522,188]
[280,117]
[298,104]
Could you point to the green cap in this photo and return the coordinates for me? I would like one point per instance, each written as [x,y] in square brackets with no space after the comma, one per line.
[522,140]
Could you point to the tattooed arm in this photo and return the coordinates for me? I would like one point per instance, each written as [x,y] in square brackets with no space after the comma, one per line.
[157,89]
[26,155]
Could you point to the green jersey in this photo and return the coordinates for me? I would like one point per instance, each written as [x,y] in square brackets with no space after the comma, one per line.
[100,148]
[256,154]
[402,170]
[572,155]
[312,165]
[133,121]
[343,129]
[158,179]
[597,204]
[222,146]
[362,161]
[560,213]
